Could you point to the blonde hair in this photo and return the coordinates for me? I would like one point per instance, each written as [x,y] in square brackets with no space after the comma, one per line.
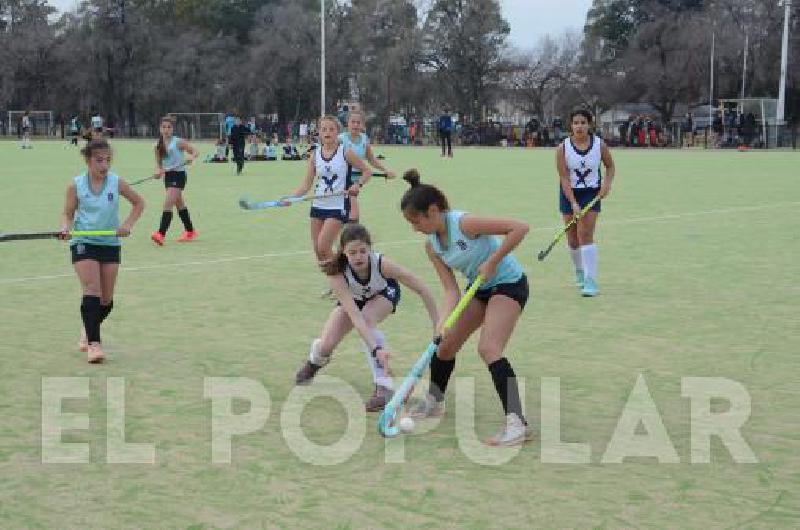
[328,117]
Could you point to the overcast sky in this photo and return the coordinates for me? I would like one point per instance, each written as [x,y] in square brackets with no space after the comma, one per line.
[530,19]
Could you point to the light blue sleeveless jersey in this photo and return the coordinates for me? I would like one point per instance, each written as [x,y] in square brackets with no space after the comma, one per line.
[97,211]
[174,159]
[359,147]
[465,254]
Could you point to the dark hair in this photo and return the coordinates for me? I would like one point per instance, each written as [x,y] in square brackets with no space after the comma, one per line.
[161,149]
[94,145]
[421,196]
[582,112]
[350,232]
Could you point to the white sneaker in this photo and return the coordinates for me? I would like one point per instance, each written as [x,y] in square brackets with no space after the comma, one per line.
[427,407]
[514,433]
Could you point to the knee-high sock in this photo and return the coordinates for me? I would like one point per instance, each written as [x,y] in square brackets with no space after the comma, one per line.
[90,314]
[440,376]
[166,219]
[505,382]
[316,356]
[589,256]
[379,375]
[187,221]
[105,310]
[577,259]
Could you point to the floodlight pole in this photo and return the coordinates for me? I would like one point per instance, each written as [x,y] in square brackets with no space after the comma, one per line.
[744,69]
[322,61]
[787,4]
[711,90]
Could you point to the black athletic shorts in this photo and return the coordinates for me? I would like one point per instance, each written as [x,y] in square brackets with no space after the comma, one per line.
[175,179]
[517,291]
[98,253]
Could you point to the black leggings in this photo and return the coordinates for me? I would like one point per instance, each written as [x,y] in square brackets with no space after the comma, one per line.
[446,137]
[238,157]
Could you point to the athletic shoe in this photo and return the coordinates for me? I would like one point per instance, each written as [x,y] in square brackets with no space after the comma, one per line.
[157,238]
[96,355]
[83,342]
[428,407]
[187,236]
[579,278]
[589,288]
[306,373]
[515,432]
[380,397]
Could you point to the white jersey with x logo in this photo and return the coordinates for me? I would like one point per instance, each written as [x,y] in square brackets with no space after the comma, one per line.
[332,177]
[584,166]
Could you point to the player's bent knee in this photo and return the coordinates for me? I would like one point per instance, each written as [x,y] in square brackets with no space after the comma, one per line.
[490,352]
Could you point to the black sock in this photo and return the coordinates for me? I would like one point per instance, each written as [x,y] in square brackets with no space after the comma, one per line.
[105,310]
[166,219]
[187,221]
[90,313]
[505,382]
[440,376]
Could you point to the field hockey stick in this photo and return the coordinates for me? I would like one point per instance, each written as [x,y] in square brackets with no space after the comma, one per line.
[543,254]
[387,420]
[284,201]
[153,177]
[28,236]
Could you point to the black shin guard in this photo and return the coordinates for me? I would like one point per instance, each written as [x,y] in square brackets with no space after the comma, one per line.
[505,382]
[166,219]
[187,221]
[105,310]
[90,313]
[440,376]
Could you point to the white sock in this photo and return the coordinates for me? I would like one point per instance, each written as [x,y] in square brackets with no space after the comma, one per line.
[589,255]
[577,260]
[379,375]
[316,356]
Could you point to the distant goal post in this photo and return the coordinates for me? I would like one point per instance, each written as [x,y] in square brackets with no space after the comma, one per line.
[41,122]
[198,125]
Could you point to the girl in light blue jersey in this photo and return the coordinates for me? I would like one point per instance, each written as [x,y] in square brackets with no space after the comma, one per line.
[171,165]
[93,204]
[355,139]
[458,241]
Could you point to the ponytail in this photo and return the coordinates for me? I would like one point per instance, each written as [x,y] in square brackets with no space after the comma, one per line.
[420,197]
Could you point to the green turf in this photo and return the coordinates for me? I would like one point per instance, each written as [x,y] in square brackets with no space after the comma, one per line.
[699,277]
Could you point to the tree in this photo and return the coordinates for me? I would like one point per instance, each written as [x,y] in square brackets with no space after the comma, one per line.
[464,43]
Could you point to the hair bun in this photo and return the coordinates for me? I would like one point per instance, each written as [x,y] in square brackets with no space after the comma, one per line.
[412,177]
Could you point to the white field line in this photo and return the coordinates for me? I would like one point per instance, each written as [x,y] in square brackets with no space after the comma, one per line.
[419,240]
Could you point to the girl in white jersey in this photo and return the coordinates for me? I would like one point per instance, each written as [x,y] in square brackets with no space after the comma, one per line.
[366,286]
[92,203]
[26,131]
[578,161]
[356,139]
[331,166]
[171,165]
[459,241]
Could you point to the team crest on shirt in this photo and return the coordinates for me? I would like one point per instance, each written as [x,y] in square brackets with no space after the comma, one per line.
[329,182]
[582,173]
[110,196]
[461,244]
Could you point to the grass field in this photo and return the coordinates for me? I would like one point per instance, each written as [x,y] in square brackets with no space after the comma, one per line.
[699,256]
